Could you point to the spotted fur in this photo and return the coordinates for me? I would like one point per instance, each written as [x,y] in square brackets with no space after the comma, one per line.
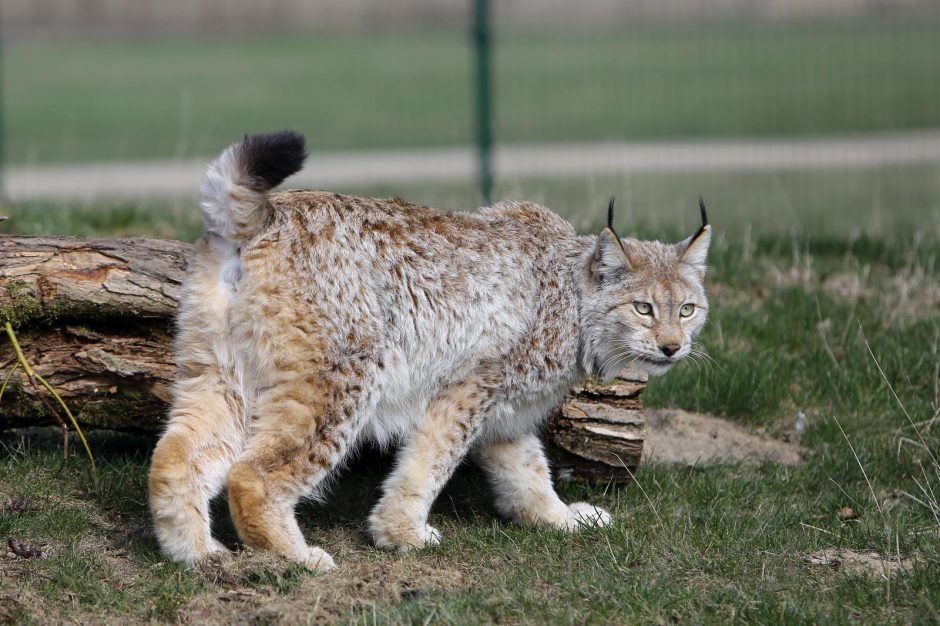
[312,321]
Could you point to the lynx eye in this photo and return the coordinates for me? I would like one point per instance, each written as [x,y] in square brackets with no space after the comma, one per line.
[686,310]
[643,308]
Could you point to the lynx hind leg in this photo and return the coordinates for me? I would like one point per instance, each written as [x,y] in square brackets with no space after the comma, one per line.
[424,466]
[303,431]
[519,473]
[189,466]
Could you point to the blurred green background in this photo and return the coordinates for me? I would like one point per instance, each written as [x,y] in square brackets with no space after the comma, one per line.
[105,83]
[180,97]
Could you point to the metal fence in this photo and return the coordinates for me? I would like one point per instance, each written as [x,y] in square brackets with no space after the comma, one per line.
[97,95]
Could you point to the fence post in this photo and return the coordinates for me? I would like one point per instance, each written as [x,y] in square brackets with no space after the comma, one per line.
[3,195]
[481,31]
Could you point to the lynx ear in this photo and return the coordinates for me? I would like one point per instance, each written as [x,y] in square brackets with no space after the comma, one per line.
[611,253]
[694,250]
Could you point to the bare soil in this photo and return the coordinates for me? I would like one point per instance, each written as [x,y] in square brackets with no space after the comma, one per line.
[677,436]
[864,563]
[365,578]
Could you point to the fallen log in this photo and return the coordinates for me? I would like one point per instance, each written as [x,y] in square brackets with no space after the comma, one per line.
[95,319]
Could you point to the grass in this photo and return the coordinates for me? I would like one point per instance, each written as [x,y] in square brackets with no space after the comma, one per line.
[869,206]
[824,301]
[168,99]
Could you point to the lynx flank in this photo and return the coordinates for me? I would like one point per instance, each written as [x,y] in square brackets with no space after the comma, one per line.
[312,321]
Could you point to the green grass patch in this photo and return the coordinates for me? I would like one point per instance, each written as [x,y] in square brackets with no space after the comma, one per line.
[175,98]
[99,558]
[179,219]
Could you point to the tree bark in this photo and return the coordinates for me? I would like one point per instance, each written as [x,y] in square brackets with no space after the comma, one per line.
[95,319]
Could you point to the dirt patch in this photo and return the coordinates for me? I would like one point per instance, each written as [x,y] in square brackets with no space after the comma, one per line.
[22,605]
[865,563]
[360,585]
[19,600]
[677,436]
[252,588]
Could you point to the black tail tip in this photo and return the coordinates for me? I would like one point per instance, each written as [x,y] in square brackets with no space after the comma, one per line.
[270,158]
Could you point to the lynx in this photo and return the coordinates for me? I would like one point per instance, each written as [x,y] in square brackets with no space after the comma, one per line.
[312,321]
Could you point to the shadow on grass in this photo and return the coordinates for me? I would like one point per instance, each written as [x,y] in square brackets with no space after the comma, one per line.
[120,487]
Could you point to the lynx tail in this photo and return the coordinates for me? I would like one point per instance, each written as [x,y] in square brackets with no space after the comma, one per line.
[234,199]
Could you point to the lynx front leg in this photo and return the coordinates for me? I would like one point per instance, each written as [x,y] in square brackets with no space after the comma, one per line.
[425,464]
[189,465]
[518,471]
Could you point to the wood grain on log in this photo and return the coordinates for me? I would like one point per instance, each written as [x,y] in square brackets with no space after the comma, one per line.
[95,318]
[597,434]
[47,278]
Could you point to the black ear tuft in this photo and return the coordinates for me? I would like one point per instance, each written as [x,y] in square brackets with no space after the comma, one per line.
[610,222]
[701,208]
[270,158]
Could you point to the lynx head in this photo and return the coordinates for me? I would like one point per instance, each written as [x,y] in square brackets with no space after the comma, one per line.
[648,302]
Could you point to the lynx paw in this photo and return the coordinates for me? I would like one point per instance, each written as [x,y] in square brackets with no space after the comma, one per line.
[424,536]
[214,552]
[432,536]
[318,560]
[584,515]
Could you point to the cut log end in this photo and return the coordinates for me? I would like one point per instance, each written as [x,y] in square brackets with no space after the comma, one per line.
[597,434]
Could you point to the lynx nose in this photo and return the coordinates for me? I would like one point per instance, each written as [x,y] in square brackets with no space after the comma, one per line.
[669,349]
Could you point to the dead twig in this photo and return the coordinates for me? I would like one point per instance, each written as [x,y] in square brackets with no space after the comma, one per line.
[7,379]
[32,376]
[23,550]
